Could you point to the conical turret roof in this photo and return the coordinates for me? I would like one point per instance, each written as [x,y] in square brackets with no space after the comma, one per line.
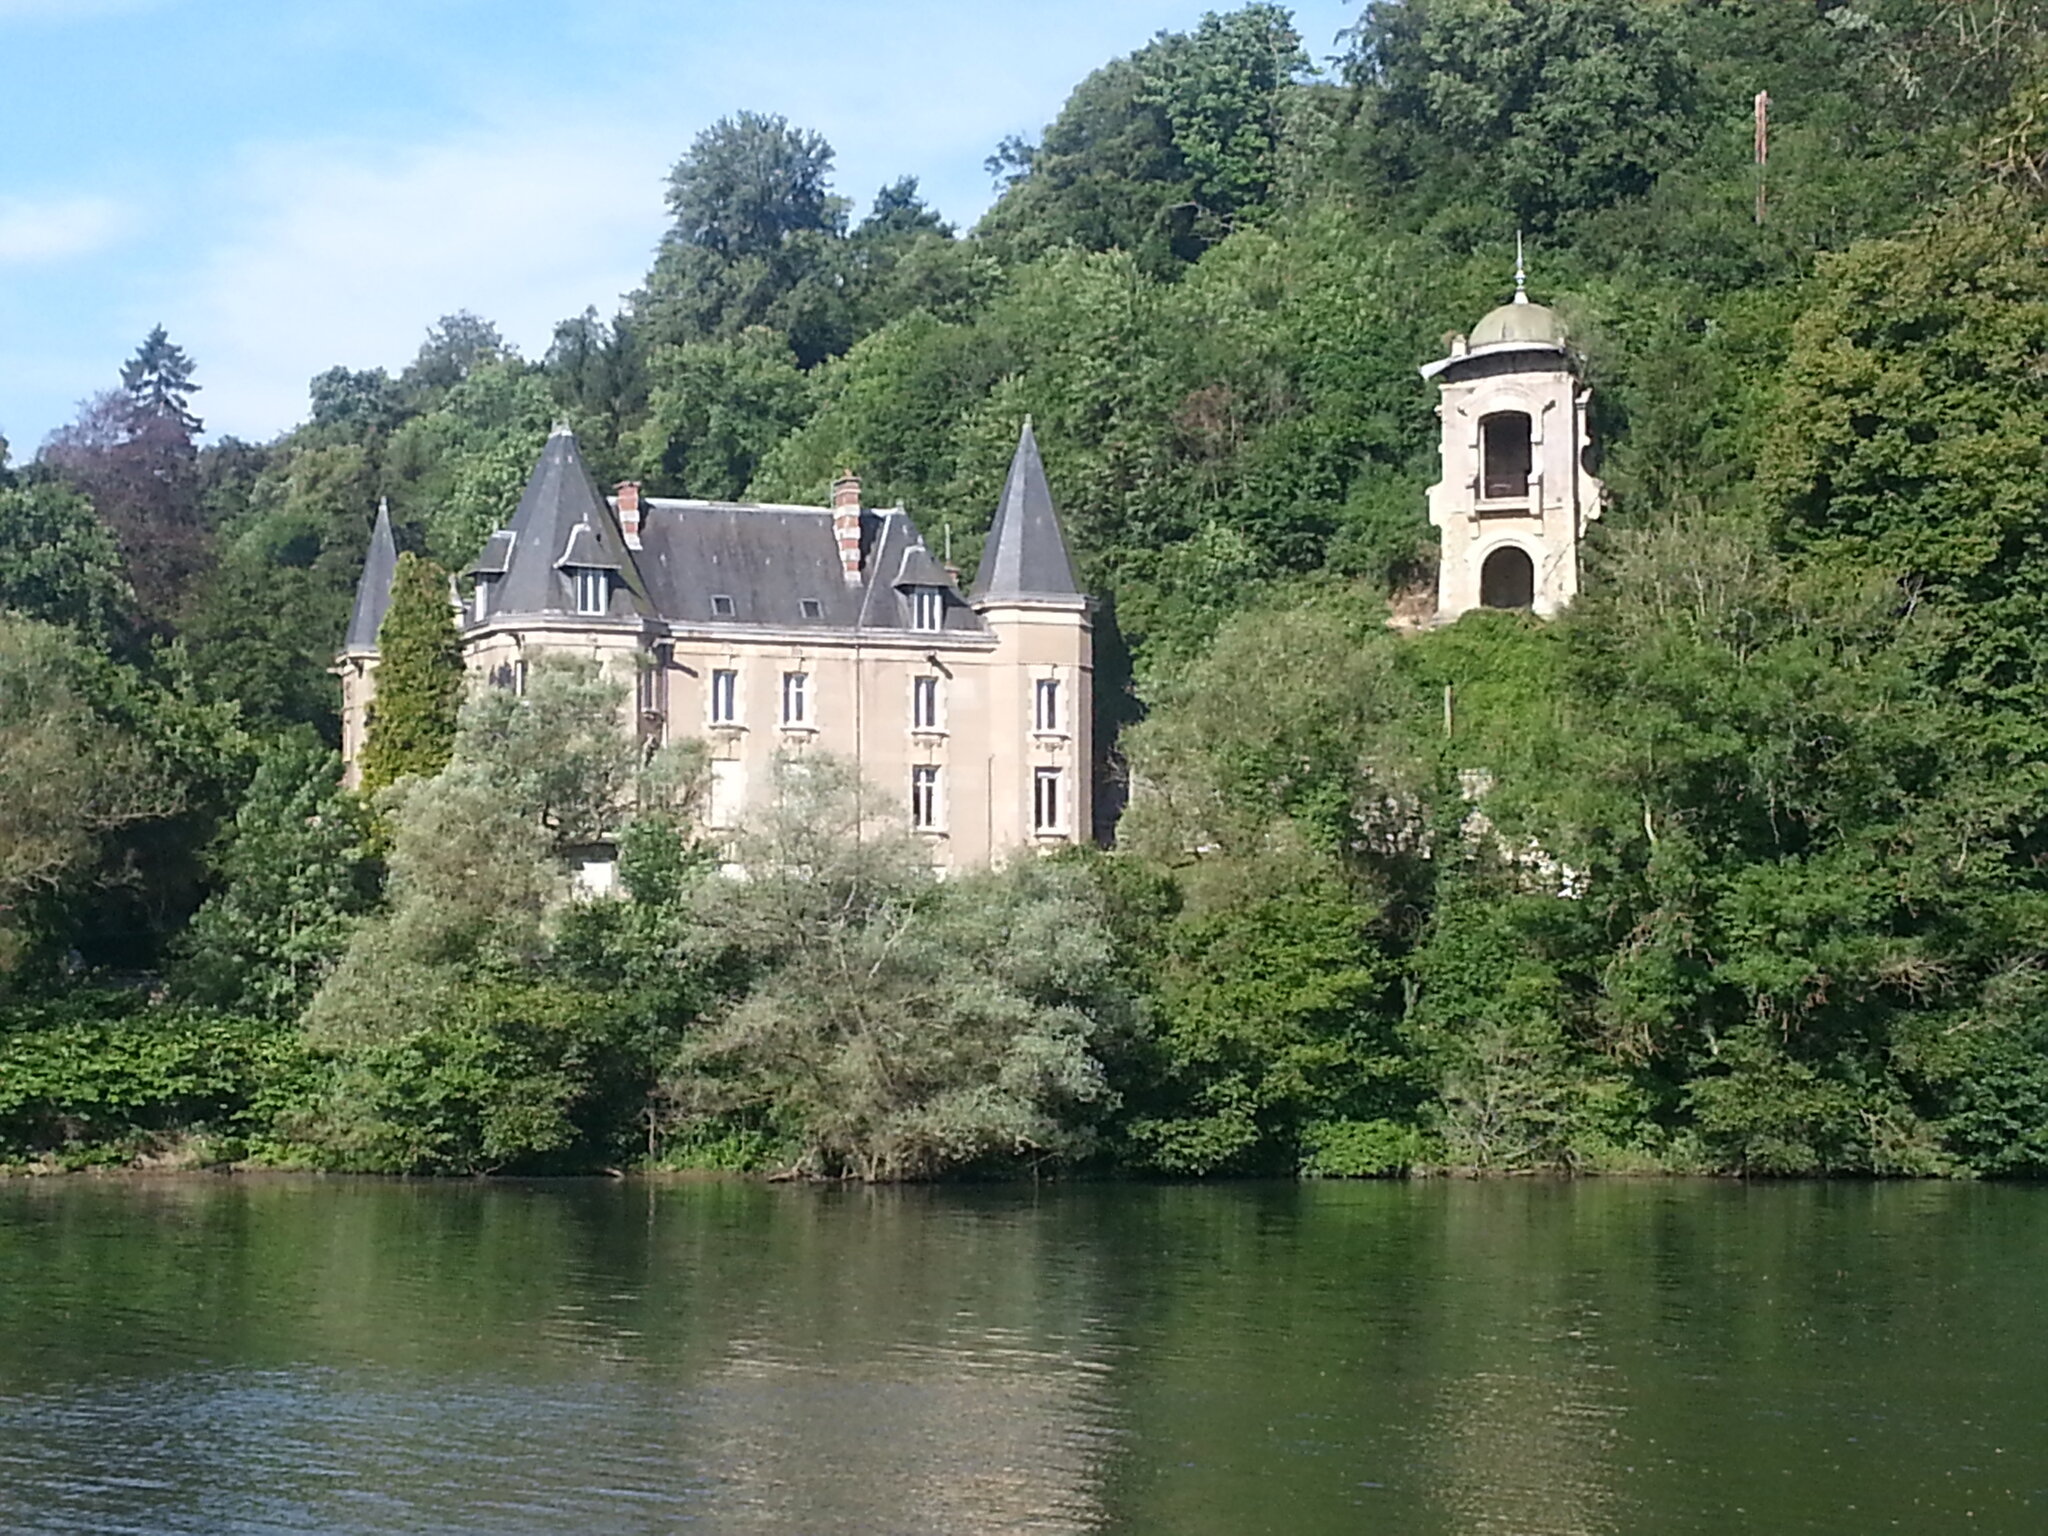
[373,590]
[562,523]
[1026,554]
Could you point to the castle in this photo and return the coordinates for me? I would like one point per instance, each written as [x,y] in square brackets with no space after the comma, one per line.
[768,629]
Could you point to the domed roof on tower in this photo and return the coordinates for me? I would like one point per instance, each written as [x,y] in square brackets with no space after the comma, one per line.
[1518,320]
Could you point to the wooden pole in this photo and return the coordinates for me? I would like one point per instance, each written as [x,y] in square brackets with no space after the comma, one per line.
[1763,147]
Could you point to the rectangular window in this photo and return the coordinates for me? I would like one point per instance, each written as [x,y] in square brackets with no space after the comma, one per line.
[927,608]
[483,599]
[721,607]
[924,703]
[725,697]
[1505,457]
[811,608]
[592,594]
[519,676]
[924,797]
[1045,803]
[1045,714]
[726,789]
[796,703]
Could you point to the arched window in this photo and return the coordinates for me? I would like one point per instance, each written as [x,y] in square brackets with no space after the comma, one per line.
[1507,580]
[1504,456]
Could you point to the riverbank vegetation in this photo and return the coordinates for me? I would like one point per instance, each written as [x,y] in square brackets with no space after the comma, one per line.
[1739,866]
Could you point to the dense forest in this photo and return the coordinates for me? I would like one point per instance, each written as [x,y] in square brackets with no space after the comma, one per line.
[1739,866]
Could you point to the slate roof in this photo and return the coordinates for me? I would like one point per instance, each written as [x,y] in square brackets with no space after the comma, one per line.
[919,568]
[562,522]
[496,555]
[1026,554]
[586,552]
[721,562]
[767,561]
[373,591]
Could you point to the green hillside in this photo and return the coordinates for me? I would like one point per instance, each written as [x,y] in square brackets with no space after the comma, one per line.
[1740,866]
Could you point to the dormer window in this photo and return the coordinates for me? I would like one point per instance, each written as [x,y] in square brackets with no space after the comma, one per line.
[927,608]
[483,599]
[721,606]
[593,591]
[811,608]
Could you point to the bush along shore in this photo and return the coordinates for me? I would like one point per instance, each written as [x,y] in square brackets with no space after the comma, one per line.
[1738,865]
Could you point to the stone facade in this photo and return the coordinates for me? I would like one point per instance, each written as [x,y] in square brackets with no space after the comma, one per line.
[1516,494]
[774,629]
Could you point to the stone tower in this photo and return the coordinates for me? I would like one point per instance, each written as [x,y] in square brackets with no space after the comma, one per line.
[1027,594]
[1515,497]
[356,665]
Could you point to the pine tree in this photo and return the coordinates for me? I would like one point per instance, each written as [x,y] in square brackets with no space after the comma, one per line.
[419,679]
[158,379]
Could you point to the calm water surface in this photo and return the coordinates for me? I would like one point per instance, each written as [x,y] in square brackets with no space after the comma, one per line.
[235,1356]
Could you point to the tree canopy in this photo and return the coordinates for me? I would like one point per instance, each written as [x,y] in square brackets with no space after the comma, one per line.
[1737,866]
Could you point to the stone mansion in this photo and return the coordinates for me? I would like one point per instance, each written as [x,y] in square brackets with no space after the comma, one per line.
[767,629]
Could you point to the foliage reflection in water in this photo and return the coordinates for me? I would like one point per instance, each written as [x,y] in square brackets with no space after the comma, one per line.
[276,1355]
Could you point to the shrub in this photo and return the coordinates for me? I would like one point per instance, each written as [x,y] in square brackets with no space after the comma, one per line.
[104,1077]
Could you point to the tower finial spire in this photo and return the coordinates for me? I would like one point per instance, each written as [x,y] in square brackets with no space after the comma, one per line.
[1521,278]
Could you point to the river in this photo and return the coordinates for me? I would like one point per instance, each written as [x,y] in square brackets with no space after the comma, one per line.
[233,1356]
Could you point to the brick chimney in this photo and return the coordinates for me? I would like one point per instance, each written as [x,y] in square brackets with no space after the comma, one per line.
[629,512]
[846,523]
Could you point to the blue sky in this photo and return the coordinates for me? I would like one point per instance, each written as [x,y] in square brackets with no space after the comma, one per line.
[291,185]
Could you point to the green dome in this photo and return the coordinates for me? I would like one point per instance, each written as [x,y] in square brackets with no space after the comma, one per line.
[1518,321]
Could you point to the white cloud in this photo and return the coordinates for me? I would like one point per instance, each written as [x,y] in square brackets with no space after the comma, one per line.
[350,252]
[46,231]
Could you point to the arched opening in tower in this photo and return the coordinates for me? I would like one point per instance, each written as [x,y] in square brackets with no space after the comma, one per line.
[1504,457]
[1507,579]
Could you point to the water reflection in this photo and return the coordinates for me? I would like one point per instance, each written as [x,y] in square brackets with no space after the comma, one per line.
[524,1359]
[941,1373]
[288,1356]
[1524,1435]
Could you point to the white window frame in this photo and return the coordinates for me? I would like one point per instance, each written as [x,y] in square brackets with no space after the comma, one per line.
[796,700]
[722,699]
[926,812]
[927,609]
[1045,707]
[925,703]
[593,592]
[1048,801]
[483,599]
